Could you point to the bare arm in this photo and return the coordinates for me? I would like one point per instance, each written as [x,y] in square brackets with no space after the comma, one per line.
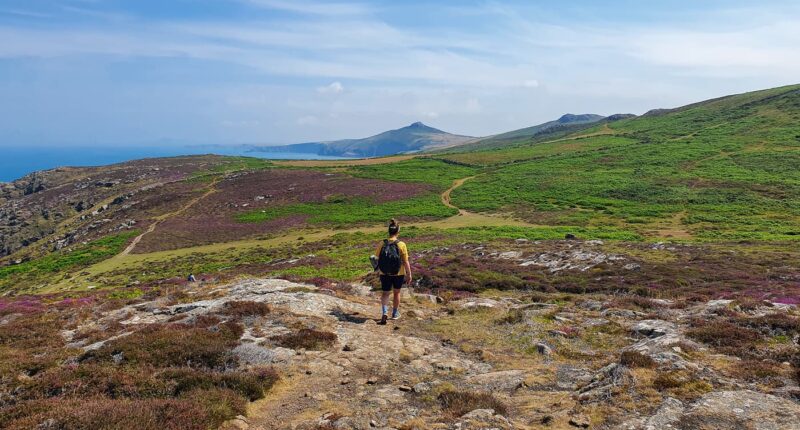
[408,271]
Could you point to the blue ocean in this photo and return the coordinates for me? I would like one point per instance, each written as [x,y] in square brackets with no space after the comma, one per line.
[16,162]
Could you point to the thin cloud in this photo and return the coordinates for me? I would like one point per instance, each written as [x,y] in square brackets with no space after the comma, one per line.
[333,88]
[313,8]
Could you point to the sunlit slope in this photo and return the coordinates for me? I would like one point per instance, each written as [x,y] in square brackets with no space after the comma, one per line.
[564,126]
[721,169]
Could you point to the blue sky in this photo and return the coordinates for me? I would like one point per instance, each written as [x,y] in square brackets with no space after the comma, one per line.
[122,72]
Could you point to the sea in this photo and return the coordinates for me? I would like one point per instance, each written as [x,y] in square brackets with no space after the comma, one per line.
[16,162]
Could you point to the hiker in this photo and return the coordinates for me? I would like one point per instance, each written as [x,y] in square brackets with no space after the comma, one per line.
[394,269]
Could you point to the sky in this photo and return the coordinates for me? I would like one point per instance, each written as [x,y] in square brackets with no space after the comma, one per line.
[177,72]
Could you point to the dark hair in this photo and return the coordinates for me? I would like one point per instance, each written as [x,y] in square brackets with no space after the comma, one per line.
[394,227]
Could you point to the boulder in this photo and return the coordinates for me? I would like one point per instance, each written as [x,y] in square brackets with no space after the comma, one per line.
[741,409]
[722,410]
[479,302]
[494,381]
[654,328]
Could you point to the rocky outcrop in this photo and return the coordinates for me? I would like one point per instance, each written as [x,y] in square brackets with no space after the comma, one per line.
[723,410]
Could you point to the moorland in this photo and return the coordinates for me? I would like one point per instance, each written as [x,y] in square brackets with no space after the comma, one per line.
[632,272]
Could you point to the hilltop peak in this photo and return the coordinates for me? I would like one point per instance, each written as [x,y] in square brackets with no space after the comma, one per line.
[585,117]
[419,127]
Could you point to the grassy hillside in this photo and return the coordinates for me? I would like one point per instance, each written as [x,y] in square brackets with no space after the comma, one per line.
[723,169]
[717,171]
[550,130]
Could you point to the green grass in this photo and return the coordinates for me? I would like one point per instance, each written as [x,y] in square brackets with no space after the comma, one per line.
[726,169]
[424,170]
[62,262]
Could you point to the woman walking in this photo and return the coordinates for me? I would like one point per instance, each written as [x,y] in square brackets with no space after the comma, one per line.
[394,270]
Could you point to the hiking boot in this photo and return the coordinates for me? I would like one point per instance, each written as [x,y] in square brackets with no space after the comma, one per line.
[383,320]
[395,314]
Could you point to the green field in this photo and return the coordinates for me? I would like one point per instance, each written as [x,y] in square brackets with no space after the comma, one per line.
[722,170]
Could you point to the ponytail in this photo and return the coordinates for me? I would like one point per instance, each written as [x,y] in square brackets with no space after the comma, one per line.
[394,227]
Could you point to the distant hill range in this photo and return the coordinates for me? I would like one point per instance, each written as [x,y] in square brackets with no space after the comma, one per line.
[413,138]
[567,124]
[419,137]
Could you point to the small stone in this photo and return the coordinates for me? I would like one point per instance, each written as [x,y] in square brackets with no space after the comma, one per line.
[479,414]
[543,348]
[422,387]
[404,388]
[346,381]
[579,421]
[348,348]
[372,381]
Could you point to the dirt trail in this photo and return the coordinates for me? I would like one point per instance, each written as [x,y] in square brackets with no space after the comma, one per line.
[211,189]
[446,195]
[462,219]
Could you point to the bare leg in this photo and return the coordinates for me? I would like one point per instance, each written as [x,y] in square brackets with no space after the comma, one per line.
[384,300]
[396,298]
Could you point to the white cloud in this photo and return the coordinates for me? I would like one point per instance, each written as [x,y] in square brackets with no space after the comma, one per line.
[471,80]
[333,88]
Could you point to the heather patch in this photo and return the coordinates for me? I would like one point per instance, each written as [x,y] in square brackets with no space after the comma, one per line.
[266,202]
[170,375]
[173,345]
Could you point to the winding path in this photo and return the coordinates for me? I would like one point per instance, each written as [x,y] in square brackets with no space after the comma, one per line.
[463,219]
[212,189]
[446,195]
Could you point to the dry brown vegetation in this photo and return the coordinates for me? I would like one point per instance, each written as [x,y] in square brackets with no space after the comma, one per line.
[458,402]
[246,309]
[307,339]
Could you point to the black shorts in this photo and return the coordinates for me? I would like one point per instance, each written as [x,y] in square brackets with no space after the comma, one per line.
[388,282]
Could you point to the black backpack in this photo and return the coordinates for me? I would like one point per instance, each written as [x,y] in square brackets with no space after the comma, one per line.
[389,261]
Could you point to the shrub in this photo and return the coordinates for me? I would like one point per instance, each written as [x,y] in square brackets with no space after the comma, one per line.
[31,331]
[514,316]
[633,359]
[747,303]
[173,345]
[757,370]
[681,385]
[251,385]
[108,414]
[307,339]
[634,302]
[219,404]
[668,380]
[457,403]
[721,333]
[246,309]
[92,380]
[778,322]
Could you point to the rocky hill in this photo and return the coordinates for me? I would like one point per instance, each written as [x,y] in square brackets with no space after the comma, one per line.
[313,358]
